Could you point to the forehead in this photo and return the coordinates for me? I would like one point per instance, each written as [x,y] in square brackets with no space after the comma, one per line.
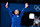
[16,10]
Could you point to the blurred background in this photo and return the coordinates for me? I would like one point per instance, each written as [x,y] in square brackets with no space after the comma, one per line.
[19,4]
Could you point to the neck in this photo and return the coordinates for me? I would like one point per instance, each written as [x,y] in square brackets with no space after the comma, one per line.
[16,14]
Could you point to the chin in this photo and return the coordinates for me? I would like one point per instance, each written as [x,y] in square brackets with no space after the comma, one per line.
[16,14]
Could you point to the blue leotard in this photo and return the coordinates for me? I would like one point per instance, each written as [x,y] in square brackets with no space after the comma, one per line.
[16,19]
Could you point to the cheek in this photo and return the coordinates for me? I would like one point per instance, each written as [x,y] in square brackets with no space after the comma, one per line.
[16,12]
[26,5]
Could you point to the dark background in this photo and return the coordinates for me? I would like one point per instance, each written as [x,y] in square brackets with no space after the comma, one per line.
[25,21]
[22,1]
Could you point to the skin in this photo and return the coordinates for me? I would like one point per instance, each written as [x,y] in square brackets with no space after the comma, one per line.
[26,5]
[6,5]
[16,11]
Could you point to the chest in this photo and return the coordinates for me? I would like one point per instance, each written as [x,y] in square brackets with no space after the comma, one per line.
[16,16]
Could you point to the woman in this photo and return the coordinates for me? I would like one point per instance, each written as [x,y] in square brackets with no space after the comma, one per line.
[16,18]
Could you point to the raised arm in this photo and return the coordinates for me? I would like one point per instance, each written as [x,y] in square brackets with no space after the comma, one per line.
[10,12]
[26,5]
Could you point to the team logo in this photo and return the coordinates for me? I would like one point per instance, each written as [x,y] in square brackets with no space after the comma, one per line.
[17,16]
[37,7]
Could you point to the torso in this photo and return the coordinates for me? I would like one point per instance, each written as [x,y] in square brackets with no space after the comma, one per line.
[16,18]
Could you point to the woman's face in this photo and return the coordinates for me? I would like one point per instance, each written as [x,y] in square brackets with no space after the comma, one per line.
[16,12]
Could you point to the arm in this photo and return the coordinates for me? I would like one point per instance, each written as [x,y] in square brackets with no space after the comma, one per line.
[22,12]
[10,12]
[26,5]
[33,24]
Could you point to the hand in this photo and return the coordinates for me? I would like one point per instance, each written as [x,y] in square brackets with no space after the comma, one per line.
[6,5]
[26,5]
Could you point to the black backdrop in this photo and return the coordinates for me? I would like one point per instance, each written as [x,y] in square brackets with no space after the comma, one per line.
[25,19]
[22,1]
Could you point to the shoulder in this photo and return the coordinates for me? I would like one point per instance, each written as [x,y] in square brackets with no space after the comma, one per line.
[12,14]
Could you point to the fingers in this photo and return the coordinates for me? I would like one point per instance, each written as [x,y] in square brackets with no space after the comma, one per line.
[26,5]
[6,5]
